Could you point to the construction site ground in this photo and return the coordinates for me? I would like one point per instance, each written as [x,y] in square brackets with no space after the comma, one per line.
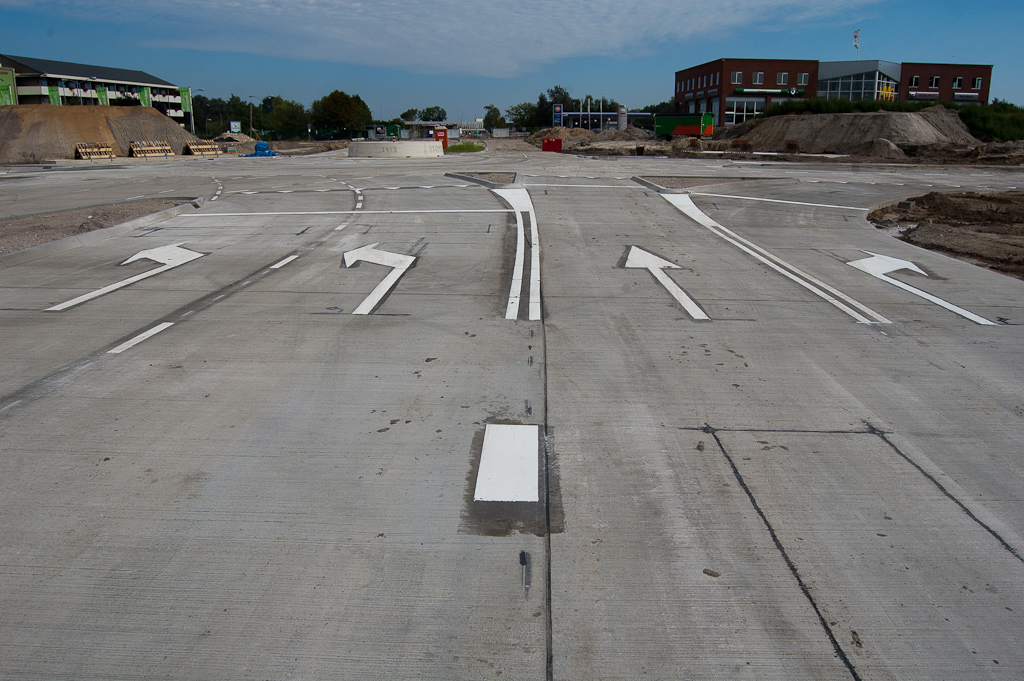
[985,229]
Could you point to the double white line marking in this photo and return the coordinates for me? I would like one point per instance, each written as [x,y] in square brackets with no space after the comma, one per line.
[859,311]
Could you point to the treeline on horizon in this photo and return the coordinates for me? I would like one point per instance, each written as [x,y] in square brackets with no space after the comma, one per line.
[340,115]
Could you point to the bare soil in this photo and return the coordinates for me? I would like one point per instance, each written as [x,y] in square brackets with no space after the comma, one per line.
[984,229]
[31,133]
[26,231]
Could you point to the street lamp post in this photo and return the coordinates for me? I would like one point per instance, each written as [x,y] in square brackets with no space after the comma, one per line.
[250,115]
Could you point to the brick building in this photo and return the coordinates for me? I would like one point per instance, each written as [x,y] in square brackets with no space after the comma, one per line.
[735,90]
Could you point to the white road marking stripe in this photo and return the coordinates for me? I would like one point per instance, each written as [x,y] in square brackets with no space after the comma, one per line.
[508,464]
[520,200]
[346,212]
[792,203]
[586,186]
[685,204]
[141,337]
[279,265]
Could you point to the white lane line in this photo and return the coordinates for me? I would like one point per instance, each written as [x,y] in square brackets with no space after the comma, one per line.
[685,204]
[520,200]
[141,337]
[279,265]
[586,186]
[346,212]
[508,464]
[791,203]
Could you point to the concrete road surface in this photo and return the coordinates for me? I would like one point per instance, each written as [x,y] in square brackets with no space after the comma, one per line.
[263,439]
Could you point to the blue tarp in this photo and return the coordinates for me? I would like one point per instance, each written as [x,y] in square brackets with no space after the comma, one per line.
[262,149]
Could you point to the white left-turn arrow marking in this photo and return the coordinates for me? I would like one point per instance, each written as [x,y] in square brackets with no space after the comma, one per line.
[641,259]
[170,256]
[880,265]
[398,262]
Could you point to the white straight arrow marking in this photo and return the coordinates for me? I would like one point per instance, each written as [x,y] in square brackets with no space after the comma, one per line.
[171,256]
[398,262]
[641,259]
[880,265]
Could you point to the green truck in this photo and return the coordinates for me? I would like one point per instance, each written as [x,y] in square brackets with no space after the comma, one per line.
[694,125]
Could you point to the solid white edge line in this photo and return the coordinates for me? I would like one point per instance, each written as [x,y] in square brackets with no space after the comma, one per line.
[508,464]
[686,205]
[346,212]
[141,337]
[792,203]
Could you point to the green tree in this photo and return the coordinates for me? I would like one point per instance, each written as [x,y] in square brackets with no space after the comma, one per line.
[493,118]
[523,116]
[410,115]
[433,113]
[348,113]
[287,118]
[546,104]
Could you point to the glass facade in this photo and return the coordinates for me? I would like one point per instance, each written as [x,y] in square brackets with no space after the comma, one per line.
[739,109]
[873,85]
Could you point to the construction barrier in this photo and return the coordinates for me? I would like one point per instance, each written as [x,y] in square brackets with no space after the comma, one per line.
[201,148]
[147,149]
[91,150]
[551,144]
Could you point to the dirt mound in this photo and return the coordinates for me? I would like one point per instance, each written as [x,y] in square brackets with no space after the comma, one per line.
[984,229]
[856,133]
[570,135]
[34,132]
[627,135]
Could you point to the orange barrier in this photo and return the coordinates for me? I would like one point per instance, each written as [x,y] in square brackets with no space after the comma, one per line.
[147,149]
[201,148]
[92,150]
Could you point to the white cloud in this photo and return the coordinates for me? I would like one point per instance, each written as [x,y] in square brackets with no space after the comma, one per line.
[442,36]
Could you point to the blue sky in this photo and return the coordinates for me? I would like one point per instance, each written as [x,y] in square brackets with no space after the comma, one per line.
[464,55]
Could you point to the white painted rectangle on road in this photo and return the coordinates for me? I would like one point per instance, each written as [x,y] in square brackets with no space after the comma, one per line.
[141,337]
[284,262]
[508,464]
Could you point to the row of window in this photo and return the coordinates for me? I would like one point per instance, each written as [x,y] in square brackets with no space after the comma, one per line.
[710,80]
[757,78]
[933,82]
[781,78]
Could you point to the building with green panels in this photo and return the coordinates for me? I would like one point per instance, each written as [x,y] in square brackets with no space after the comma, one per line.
[60,83]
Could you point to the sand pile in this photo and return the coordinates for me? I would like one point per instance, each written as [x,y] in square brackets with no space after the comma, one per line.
[627,135]
[570,135]
[884,134]
[35,132]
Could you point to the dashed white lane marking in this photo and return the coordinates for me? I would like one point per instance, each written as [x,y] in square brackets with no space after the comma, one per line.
[508,464]
[141,337]
[819,288]
[791,203]
[220,189]
[279,265]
